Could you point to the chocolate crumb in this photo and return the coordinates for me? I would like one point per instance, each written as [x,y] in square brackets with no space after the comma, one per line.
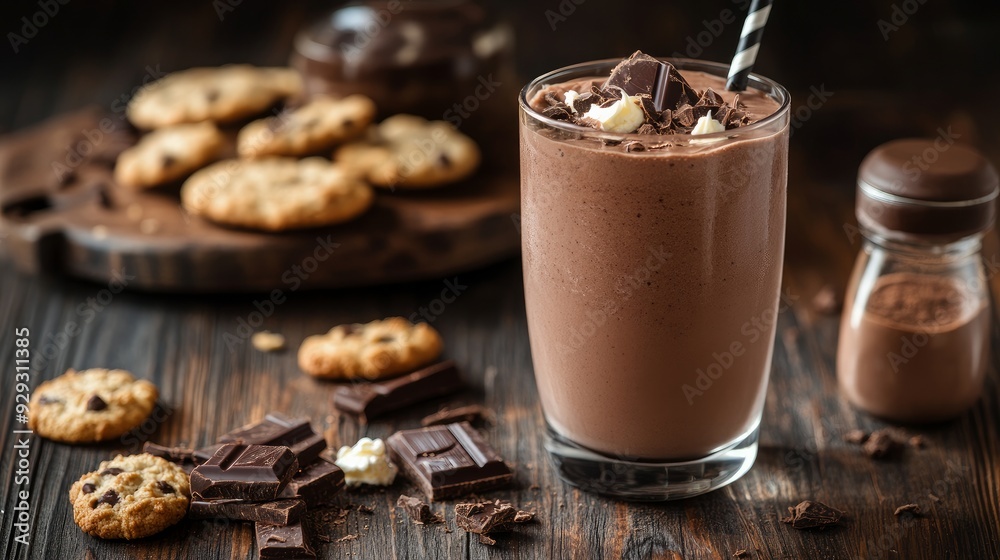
[487,540]
[347,538]
[367,510]
[324,538]
[418,510]
[812,515]
[881,444]
[96,403]
[168,160]
[857,437]
[165,487]
[444,160]
[88,488]
[918,441]
[741,553]
[913,509]
[524,516]
[110,497]
[933,498]
[113,471]
[827,301]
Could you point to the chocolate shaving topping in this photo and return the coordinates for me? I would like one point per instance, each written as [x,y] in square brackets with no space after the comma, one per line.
[812,515]
[584,102]
[96,403]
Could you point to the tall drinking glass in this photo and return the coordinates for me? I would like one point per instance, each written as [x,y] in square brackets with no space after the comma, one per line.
[652,274]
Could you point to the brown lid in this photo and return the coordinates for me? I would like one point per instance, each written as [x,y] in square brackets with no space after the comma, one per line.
[927,188]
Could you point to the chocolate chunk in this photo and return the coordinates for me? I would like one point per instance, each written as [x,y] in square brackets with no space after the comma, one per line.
[584,101]
[524,517]
[913,509]
[172,454]
[684,116]
[557,112]
[487,540]
[278,512]
[881,444]
[316,484]
[641,73]
[113,471]
[485,517]
[249,472]
[96,403]
[710,99]
[88,488]
[812,515]
[448,461]
[165,487]
[857,437]
[278,429]
[472,413]
[110,497]
[418,510]
[288,541]
[370,400]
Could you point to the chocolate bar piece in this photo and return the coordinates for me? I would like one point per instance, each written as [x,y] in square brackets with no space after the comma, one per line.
[289,541]
[370,400]
[448,461]
[643,74]
[472,413]
[485,517]
[206,453]
[316,484]
[172,454]
[278,429]
[245,472]
[279,512]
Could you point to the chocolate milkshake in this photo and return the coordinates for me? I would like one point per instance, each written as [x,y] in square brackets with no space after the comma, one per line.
[917,350]
[652,265]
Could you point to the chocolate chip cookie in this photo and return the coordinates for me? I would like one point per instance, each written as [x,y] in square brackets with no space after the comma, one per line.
[130,497]
[371,351]
[409,152]
[310,129]
[91,405]
[169,154]
[223,94]
[275,194]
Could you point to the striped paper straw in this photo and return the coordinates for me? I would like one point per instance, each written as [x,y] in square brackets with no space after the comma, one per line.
[746,52]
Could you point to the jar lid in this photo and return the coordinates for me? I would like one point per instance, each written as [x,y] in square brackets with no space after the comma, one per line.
[926,188]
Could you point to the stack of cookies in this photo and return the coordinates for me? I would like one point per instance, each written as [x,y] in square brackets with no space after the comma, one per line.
[311,164]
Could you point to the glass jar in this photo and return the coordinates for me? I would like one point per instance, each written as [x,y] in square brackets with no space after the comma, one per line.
[914,336]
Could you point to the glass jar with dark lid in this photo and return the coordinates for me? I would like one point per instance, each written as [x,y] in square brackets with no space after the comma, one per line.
[914,336]
[446,60]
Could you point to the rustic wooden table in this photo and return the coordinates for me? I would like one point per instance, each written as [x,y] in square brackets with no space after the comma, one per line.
[210,384]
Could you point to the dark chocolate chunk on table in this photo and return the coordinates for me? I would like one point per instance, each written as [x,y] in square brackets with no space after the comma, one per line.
[244,472]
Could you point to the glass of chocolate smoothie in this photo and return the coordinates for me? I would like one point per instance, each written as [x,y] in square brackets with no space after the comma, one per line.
[652,245]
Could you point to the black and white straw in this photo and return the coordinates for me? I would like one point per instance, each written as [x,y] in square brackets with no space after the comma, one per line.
[746,52]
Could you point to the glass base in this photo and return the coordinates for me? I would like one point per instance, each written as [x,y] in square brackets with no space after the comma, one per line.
[649,481]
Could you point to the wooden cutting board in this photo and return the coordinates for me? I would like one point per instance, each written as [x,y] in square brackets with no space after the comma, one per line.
[61,212]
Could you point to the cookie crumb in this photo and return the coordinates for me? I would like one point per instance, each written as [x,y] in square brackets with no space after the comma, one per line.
[267,341]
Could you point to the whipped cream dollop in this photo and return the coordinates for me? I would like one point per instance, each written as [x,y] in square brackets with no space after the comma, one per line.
[622,116]
[366,463]
[707,125]
[569,98]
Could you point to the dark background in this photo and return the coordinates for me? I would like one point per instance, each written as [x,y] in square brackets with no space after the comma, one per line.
[939,68]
